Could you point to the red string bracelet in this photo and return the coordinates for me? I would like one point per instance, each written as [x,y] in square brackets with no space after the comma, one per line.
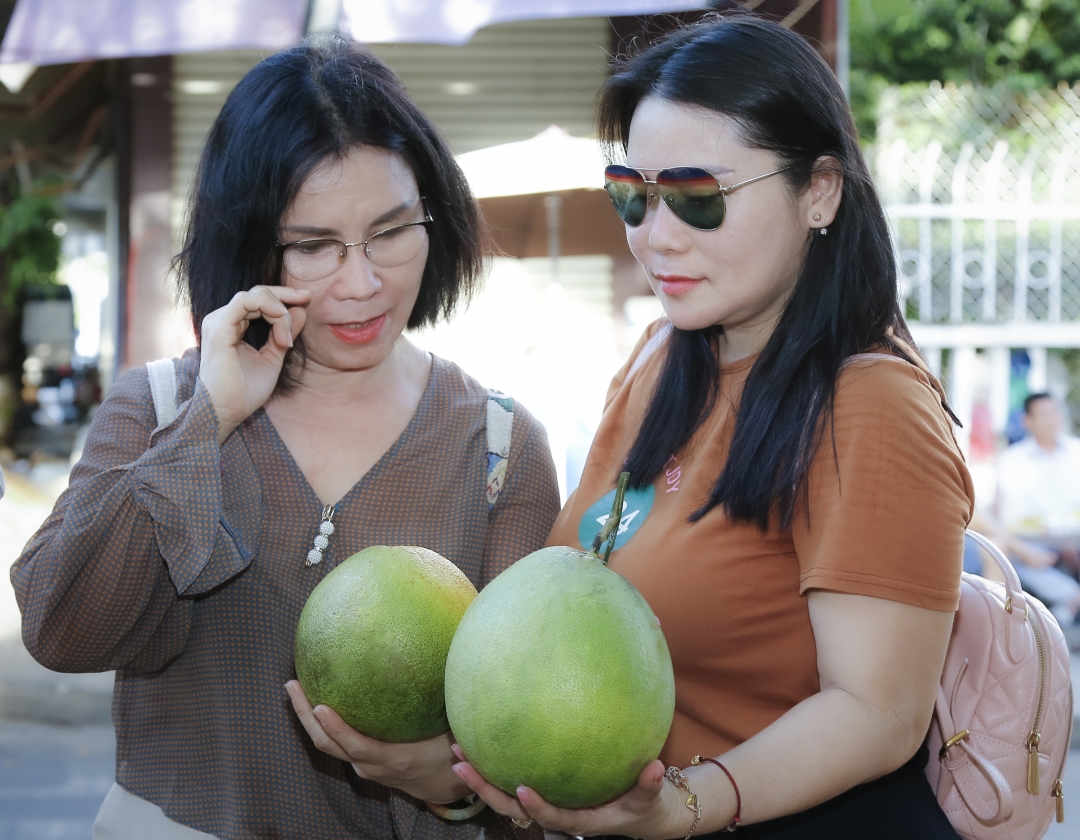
[737,819]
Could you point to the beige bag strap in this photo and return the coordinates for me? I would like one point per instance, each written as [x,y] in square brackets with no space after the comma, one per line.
[163,388]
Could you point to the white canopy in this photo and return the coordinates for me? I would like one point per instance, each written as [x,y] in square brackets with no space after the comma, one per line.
[550,162]
[62,31]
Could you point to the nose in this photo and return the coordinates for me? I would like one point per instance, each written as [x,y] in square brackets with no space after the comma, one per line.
[357,278]
[664,232]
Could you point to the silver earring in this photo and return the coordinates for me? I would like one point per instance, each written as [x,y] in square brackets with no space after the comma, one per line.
[824,231]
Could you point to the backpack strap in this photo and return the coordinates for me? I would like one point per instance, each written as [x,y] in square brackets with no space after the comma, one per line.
[163,388]
[500,427]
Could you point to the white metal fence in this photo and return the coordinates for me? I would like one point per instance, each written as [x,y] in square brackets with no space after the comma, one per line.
[982,187]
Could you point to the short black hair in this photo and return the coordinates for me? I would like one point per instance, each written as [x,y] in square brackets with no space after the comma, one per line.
[1031,399]
[293,110]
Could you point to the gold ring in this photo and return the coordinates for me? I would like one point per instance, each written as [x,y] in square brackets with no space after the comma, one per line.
[521,823]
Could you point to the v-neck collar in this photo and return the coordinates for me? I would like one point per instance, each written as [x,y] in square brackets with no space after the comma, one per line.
[423,409]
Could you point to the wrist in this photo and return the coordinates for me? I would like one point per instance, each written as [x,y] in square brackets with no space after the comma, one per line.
[688,812]
[461,809]
[725,803]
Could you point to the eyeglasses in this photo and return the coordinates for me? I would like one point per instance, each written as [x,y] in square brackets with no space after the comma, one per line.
[310,260]
[693,194]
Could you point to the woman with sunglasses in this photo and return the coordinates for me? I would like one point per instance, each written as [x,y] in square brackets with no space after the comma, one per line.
[328,216]
[797,511]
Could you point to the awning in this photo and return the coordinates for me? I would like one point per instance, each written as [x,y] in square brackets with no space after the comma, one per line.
[545,196]
[550,162]
[65,31]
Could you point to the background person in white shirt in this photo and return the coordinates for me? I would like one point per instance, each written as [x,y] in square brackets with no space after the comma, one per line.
[1038,504]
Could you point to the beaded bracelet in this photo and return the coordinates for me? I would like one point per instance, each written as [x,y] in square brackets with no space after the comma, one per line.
[737,819]
[678,778]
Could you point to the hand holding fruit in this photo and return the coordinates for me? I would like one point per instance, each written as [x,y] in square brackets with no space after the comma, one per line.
[651,809]
[239,378]
[423,769]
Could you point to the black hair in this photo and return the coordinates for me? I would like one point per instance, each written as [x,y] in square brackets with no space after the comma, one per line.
[1031,399]
[781,97]
[292,111]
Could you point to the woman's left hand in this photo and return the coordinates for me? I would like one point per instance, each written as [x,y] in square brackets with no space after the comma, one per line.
[652,808]
[423,769]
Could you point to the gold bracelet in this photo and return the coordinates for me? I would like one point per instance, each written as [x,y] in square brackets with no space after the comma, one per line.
[678,778]
[447,812]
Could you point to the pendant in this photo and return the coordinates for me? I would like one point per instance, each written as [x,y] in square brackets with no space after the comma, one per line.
[322,540]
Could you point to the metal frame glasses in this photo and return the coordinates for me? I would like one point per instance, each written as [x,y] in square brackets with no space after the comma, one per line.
[310,260]
[694,195]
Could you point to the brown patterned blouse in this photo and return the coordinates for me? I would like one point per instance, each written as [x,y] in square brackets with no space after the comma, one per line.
[181,565]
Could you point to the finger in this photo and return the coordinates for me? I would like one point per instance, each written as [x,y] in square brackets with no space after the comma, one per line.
[311,724]
[297,318]
[281,330]
[499,802]
[287,294]
[614,817]
[288,328]
[360,748]
[577,821]
[651,779]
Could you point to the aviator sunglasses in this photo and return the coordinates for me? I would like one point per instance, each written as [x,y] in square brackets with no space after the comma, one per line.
[693,194]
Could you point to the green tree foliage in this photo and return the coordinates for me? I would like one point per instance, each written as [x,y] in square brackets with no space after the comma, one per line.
[29,250]
[1026,44]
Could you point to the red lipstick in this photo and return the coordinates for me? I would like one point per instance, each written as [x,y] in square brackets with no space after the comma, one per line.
[359,333]
[673,284]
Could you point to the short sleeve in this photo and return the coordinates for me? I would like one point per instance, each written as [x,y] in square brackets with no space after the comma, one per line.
[889,495]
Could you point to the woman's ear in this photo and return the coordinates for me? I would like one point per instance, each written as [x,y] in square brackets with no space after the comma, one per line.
[826,190]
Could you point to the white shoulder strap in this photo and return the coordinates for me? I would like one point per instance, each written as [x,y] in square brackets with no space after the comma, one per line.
[162,376]
[860,357]
[500,427]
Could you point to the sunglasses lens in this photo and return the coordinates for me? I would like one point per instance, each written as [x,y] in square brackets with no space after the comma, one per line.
[628,193]
[693,195]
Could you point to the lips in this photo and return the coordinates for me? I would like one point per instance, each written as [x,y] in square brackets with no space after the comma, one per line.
[674,284]
[362,332]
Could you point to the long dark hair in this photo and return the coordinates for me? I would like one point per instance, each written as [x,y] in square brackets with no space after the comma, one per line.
[781,97]
[294,110]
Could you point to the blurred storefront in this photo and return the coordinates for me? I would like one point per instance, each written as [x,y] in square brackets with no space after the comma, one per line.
[130,115]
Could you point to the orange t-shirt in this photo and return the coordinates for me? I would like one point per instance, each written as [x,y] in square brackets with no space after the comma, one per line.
[886,519]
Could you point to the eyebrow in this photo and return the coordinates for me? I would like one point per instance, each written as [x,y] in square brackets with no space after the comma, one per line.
[300,230]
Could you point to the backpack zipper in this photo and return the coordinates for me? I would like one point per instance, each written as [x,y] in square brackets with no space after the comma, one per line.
[1058,791]
[1035,736]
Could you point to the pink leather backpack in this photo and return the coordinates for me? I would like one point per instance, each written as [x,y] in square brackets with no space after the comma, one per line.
[1003,719]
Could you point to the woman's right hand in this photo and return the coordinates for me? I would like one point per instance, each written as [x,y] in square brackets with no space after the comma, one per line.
[239,378]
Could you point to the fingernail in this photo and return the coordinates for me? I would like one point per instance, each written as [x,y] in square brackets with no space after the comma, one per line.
[523,795]
[457,770]
[288,690]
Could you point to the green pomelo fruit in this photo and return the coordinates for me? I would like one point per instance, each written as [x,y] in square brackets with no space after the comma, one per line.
[372,640]
[559,678]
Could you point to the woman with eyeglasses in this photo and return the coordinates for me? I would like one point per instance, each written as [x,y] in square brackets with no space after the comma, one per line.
[798,501]
[328,216]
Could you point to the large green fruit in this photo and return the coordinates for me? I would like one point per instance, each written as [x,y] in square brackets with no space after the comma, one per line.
[559,678]
[372,640]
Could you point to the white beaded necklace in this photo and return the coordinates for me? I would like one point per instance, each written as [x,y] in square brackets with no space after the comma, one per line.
[322,539]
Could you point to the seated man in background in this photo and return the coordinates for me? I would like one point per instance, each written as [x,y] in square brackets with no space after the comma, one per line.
[1038,507]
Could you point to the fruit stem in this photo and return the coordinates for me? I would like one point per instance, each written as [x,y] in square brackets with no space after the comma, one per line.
[611,528]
